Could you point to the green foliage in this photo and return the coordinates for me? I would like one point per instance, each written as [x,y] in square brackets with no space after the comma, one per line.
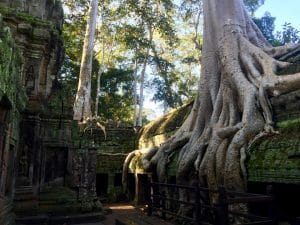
[24,17]
[10,82]
[190,8]
[253,5]
[289,34]
[266,25]
[116,95]
[122,38]
[289,126]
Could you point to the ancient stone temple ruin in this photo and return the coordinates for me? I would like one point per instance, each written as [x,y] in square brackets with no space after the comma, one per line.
[49,169]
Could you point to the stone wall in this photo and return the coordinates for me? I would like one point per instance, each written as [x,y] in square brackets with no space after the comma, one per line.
[276,158]
[50,10]
[31,53]
[12,102]
[111,154]
[41,51]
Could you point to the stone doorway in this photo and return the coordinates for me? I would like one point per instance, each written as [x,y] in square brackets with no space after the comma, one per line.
[56,166]
[101,184]
[131,187]
[141,189]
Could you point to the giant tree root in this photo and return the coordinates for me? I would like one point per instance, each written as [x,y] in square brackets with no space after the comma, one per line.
[239,75]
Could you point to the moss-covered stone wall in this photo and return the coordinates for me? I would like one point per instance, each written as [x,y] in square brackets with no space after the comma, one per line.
[12,102]
[112,150]
[118,140]
[10,69]
[110,163]
[276,158]
[158,131]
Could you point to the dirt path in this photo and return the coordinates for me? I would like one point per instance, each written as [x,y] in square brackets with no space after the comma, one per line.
[130,214]
[117,210]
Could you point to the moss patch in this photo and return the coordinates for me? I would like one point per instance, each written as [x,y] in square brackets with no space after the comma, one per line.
[166,125]
[59,201]
[24,17]
[276,158]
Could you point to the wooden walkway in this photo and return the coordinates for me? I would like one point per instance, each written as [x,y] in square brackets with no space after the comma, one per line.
[126,214]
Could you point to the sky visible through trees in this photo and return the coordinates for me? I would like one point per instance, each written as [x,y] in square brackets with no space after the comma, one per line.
[284,11]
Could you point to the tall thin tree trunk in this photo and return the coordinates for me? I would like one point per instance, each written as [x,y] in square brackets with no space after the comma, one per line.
[142,79]
[98,91]
[141,99]
[135,93]
[101,68]
[82,104]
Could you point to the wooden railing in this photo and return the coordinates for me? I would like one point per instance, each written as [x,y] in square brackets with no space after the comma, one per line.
[164,201]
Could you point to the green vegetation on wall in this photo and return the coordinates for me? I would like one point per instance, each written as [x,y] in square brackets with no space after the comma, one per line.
[10,70]
[24,17]
[276,158]
[167,124]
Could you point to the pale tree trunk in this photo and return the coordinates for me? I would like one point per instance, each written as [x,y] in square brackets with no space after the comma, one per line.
[135,94]
[232,106]
[142,80]
[98,91]
[101,68]
[82,104]
[141,99]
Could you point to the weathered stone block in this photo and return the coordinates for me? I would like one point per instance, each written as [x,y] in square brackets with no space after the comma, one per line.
[42,34]
[25,28]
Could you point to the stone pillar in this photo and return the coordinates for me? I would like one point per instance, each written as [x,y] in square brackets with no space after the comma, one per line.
[85,175]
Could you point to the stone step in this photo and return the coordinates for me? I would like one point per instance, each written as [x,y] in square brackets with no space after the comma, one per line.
[79,219]
[24,197]
[84,218]
[33,220]
[139,219]
[24,193]
[24,189]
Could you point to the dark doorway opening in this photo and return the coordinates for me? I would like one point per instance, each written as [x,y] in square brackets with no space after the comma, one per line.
[101,184]
[118,180]
[143,189]
[131,186]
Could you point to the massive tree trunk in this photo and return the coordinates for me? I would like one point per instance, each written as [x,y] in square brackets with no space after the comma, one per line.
[232,107]
[82,104]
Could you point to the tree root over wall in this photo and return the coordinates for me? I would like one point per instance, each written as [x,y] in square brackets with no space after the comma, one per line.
[239,75]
